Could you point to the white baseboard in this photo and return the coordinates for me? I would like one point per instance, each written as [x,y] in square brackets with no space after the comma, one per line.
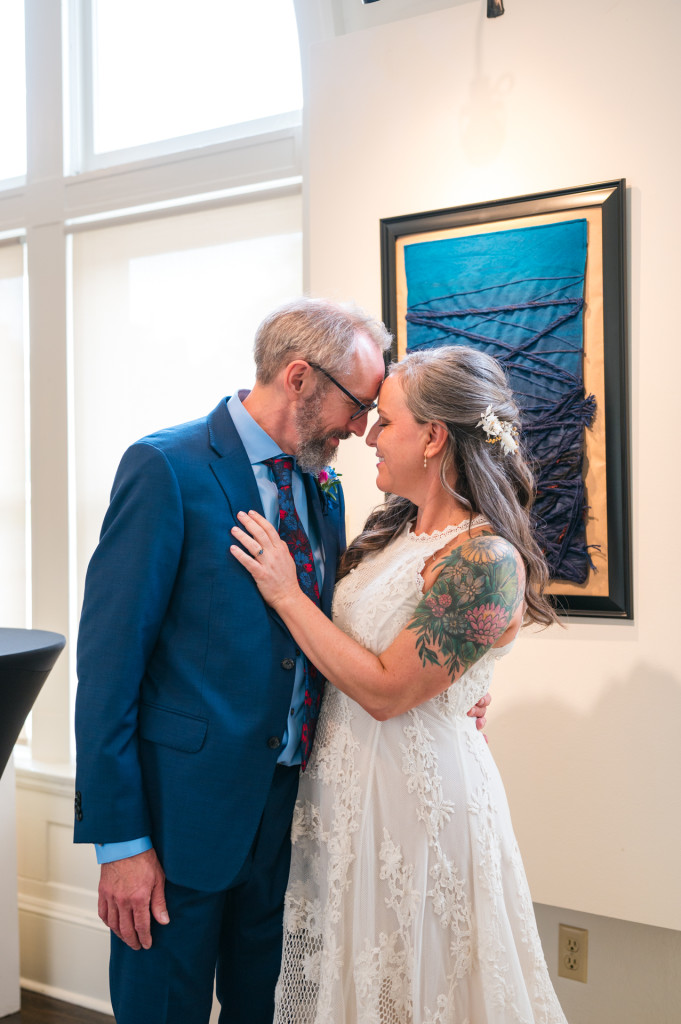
[77,998]
[64,947]
[64,953]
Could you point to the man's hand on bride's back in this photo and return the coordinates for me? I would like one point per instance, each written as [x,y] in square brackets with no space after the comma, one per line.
[480,711]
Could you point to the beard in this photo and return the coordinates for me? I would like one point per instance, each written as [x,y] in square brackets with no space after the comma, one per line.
[314,451]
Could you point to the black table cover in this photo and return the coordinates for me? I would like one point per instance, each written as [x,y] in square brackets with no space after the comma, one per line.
[26,659]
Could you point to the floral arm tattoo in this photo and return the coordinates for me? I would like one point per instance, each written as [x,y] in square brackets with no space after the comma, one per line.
[469,606]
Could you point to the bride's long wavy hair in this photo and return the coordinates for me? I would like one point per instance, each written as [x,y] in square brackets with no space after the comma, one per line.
[455,385]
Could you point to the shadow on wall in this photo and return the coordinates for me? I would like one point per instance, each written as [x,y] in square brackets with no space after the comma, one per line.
[483,116]
[593,795]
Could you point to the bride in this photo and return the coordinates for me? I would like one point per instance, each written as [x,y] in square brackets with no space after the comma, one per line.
[407,902]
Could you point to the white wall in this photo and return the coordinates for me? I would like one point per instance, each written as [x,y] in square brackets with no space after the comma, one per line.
[451,108]
[9,932]
[64,947]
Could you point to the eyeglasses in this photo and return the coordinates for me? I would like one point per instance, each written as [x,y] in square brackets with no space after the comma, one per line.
[362,407]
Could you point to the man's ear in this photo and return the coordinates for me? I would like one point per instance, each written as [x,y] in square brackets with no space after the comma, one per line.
[297,378]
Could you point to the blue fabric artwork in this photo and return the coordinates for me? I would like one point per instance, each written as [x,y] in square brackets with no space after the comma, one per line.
[519,295]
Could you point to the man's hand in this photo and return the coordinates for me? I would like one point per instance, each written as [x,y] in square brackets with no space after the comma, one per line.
[127,889]
[480,711]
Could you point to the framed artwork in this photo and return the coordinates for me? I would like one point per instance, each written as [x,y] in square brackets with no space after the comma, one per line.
[538,282]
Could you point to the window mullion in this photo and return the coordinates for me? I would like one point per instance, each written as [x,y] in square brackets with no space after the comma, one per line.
[46,263]
[78,82]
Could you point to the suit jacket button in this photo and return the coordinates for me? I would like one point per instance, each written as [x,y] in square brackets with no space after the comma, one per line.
[79,815]
[288,663]
[273,742]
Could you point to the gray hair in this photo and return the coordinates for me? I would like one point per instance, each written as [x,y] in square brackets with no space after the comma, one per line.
[455,385]
[316,330]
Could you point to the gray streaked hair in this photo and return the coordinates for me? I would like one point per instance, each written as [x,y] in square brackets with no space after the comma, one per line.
[316,330]
[455,385]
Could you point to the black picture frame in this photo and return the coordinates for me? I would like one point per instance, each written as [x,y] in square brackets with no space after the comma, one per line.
[608,592]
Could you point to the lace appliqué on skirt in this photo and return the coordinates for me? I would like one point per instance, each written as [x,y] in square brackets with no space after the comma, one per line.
[407,901]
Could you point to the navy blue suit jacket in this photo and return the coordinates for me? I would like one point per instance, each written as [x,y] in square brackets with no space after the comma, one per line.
[184,673]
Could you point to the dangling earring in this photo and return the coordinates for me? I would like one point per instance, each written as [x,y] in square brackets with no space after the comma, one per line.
[425,461]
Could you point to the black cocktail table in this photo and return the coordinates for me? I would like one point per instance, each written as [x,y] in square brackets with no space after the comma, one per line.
[26,659]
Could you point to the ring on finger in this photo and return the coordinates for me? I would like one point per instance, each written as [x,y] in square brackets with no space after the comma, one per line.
[259,552]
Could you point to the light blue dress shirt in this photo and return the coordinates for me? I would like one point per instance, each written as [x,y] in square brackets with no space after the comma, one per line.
[259,446]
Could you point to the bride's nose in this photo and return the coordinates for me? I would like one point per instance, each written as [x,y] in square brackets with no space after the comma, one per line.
[373,435]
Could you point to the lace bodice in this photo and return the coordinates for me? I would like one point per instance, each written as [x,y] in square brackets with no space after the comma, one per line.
[376,600]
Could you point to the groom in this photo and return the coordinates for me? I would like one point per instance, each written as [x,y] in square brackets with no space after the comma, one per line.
[195,708]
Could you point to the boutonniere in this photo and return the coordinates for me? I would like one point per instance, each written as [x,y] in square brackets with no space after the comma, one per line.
[328,482]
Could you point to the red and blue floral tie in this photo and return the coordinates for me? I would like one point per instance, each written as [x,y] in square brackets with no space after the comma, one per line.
[291,531]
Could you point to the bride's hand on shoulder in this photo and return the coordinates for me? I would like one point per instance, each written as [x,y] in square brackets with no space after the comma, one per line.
[266,557]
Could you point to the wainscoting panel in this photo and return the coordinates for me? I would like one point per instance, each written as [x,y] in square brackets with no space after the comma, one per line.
[64,947]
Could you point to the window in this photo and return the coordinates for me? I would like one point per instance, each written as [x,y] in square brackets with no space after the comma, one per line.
[13,92]
[165,312]
[167,70]
[14,584]
[139,286]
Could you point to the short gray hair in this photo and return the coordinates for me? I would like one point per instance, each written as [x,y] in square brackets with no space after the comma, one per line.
[316,330]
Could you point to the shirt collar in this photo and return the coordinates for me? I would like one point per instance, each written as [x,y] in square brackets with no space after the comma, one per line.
[258,444]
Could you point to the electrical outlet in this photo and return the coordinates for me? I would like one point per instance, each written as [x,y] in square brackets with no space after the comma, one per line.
[573,950]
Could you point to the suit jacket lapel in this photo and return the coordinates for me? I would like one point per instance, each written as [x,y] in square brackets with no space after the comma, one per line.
[234,473]
[232,468]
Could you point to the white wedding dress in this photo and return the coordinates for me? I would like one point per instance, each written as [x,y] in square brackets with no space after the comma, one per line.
[407,901]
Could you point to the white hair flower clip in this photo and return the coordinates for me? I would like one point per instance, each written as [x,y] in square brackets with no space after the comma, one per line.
[499,431]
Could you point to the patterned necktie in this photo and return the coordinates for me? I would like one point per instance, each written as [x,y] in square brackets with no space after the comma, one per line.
[291,531]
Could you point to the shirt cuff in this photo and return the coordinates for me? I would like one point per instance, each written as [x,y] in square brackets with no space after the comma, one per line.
[106,852]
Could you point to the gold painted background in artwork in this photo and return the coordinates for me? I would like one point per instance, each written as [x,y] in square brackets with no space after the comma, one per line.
[594,379]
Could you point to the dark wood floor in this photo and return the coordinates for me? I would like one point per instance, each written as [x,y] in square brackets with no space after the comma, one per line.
[37,1009]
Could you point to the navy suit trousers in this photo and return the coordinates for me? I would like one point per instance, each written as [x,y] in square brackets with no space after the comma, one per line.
[233,937]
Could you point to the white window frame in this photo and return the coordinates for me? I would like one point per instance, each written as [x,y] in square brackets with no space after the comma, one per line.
[46,208]
[7,184]
[79,153]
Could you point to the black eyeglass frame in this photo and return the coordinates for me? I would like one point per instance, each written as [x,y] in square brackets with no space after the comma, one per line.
[362,407]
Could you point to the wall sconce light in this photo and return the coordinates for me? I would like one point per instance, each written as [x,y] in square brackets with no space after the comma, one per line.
[494,7]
